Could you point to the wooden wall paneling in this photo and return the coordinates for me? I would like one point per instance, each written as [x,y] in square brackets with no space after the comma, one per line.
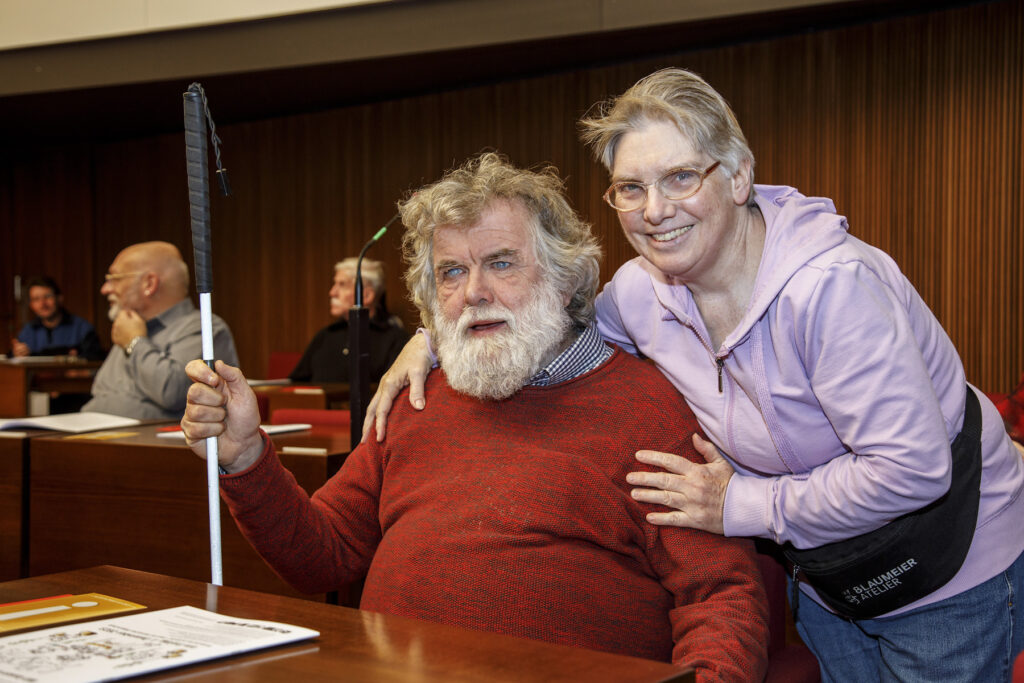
[9,318]
[288,169]
[409,153]
[141,194]
[256,236]
[1007,246]
[250,294]
[48,226]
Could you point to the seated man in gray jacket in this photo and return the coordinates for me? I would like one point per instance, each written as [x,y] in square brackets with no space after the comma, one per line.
[155,333]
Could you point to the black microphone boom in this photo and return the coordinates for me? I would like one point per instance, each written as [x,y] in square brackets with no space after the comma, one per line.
[359,347]
[359,262]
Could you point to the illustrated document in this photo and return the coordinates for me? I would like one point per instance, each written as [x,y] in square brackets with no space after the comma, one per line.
[115,648]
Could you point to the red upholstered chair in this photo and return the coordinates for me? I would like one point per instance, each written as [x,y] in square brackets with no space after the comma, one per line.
[336,419]
[1014,416]
[1011,408]
[263,405]
[282,363]
[787,662]
[1018,668]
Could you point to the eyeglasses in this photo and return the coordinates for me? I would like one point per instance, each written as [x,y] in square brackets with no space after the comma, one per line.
[113,277]
[679,183]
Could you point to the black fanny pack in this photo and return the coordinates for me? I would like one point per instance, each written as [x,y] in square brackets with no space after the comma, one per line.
[910,557]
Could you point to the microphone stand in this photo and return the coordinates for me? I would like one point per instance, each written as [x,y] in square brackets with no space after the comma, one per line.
[359,348]
[14,324]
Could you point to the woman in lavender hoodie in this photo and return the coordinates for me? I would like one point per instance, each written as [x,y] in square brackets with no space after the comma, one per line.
[828,391]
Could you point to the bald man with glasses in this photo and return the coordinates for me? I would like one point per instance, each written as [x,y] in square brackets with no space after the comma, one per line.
[155,331]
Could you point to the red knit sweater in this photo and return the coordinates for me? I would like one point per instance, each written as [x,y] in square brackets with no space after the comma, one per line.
[515,517]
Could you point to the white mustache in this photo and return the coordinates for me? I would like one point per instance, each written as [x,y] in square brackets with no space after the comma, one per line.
[490,312]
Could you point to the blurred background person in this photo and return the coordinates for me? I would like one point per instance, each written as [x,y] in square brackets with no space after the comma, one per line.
[326,358]
[156,331]
[54,331]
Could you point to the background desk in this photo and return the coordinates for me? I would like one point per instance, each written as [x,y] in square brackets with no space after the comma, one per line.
[140,501]
[304,395]
[353,645]
[65,375]
[15,508]
[13,501]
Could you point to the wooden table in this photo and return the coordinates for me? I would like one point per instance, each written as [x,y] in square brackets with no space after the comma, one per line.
[53,374]
[140,501]
[353,646]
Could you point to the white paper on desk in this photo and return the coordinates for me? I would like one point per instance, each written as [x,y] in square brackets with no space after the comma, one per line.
[41,360]
[269,429]
[282,382]
[73,423]
[111,649]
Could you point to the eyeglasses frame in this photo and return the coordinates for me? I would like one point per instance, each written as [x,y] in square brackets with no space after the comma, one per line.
[114,277]
[647,186]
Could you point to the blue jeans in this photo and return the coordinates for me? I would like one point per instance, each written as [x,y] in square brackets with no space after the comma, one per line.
[970,637]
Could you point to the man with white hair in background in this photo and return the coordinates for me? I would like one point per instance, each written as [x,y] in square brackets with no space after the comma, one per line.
[156,331]
[503,506]
[326,358]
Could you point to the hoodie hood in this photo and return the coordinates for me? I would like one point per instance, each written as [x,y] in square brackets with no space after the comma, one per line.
[797,229]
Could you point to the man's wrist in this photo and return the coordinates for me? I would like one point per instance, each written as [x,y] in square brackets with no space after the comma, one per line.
[130,346]
[249,456]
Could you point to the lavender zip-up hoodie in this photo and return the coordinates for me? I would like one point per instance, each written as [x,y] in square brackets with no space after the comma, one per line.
[840,391]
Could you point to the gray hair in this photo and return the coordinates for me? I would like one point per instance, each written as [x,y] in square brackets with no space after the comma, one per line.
[677,96]
[567,251]
[372,273]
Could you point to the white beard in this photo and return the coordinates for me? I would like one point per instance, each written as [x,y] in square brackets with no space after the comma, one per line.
[496,366]
[113,311]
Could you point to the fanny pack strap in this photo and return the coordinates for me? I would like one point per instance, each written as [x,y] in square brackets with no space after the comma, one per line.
[971,428]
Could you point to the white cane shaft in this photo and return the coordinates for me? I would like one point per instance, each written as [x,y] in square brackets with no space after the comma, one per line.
[213,494]
[212,463]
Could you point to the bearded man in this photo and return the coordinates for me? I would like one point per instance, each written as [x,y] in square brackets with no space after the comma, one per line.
[503,506]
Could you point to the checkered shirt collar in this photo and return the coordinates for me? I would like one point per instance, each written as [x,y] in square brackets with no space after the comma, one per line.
[582,356]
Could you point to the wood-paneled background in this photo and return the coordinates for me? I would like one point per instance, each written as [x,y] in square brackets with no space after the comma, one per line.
[914,126]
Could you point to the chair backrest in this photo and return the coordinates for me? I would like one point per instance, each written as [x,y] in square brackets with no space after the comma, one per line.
[1011,408]
[282,363]
[787,662]
[313,416]
[774,578]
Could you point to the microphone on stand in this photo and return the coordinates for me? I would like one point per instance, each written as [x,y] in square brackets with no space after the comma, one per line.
[359,346]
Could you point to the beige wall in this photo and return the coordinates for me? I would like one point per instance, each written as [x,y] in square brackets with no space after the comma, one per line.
[25,23]
[159,40]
